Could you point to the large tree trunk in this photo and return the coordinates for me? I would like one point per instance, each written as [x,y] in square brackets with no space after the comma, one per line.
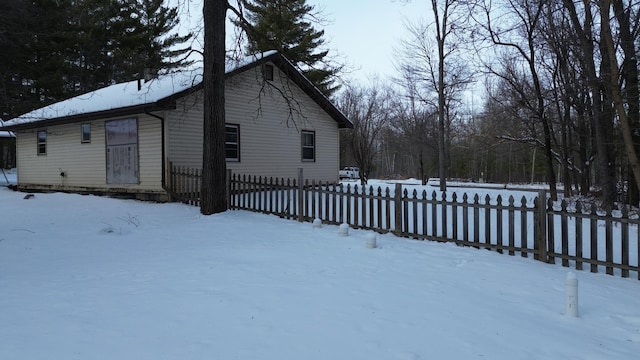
[599,117]
[214,168]
[610,56]
[631,90]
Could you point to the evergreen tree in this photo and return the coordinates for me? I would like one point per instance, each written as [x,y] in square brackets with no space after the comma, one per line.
[32,38]
[283,25]
[149,42]
[53,50]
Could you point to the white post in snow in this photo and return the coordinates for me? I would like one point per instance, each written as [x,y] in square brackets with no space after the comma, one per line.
[371,241]
[571,295]
[343,230]
[317,223]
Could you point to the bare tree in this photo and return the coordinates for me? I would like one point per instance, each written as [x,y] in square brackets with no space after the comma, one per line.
[369,108]
[434,71]
[514,28]
[626,100]
[583,24]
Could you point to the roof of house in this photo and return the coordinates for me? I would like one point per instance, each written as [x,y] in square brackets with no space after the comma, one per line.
[137,96]
[6,134]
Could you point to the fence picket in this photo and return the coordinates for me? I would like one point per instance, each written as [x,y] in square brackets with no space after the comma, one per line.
[424,213]
[434,216]
[465,218]
[564,228]
[512,220]
[594,238]
[499,225]
[454,216]
[523,228]
[443,217]
[625,242]
[487,222]
[476,220]
[579,236]
[609,242]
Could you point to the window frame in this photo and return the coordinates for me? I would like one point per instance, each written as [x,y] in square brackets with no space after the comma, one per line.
[41,142]
[84,140]
[303,146]
[236,143]
[267,72]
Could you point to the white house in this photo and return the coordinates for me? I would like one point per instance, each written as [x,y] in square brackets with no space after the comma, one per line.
[122,138]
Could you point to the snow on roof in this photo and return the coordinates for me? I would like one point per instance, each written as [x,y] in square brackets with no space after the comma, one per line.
[126,94]
[6,134]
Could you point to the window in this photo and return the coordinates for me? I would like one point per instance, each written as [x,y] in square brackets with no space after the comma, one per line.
[86,133]
[232,142]
[42,142]
[268,72]
[308,146]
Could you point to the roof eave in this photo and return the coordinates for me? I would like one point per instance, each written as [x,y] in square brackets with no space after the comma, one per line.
[97,115]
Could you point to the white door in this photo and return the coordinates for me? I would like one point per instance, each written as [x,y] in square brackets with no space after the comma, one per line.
[122,151]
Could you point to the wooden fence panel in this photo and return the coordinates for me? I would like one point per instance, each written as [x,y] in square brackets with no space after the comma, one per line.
[438,216]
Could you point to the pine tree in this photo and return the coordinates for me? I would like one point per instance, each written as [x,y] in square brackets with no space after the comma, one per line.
[32,38]
[54,50]
[149,44]
[284,25]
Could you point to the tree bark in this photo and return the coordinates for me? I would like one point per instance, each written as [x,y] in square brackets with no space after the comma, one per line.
[618,101]
[631,90]
[213,197]
[441,31]
[598,115]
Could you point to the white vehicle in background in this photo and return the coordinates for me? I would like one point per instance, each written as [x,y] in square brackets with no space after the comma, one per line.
[349,172]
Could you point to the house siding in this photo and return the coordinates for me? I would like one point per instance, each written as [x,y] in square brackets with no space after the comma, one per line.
[270,137]
[84,164]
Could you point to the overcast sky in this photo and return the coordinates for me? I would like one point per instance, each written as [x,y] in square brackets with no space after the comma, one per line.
[365,32]
[362,32]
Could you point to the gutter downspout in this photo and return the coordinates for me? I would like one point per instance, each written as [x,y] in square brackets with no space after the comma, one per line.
[162,131]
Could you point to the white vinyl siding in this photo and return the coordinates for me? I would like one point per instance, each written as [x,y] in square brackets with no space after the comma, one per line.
[84,164]
[270,140]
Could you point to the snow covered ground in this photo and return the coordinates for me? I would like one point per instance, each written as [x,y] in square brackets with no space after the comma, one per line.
[87,277]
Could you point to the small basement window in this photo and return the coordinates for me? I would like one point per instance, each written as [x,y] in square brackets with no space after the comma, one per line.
[86,133]
[42,142]
[268,72]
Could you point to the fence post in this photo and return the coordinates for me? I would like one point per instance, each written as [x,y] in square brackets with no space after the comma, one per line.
[300,195]
[397,201]
[541,226]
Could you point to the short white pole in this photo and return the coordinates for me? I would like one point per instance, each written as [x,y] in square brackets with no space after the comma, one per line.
[317,223]
[571,295]
[343,230]
[371,241]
